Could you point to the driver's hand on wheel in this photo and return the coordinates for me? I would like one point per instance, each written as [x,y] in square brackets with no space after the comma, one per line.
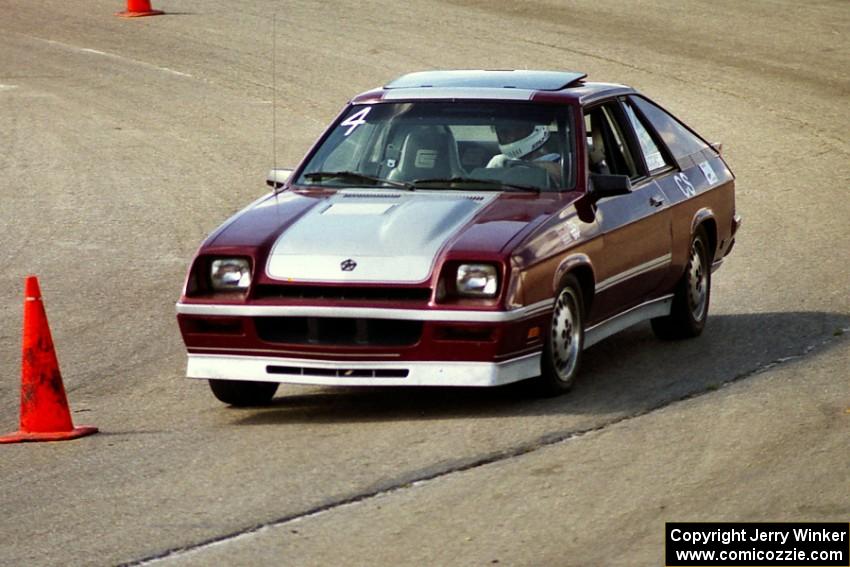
[501,160]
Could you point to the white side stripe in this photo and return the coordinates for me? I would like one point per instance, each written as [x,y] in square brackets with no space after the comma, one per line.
[634,272]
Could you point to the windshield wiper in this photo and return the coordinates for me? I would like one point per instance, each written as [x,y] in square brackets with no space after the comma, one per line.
[356,176]
[491,183]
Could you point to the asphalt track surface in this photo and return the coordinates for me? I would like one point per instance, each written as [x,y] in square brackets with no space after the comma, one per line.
[124,142]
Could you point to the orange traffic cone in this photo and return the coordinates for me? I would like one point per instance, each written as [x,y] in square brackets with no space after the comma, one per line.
[44,408]
[139,8]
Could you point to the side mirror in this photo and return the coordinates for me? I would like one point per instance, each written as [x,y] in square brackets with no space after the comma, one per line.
[602,185]
[277,178]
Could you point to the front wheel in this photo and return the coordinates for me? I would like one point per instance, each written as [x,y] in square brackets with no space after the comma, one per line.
[564,342]
[690,303]
[241,393]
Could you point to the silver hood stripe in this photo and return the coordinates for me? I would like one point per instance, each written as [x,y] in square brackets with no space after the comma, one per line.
[389,238]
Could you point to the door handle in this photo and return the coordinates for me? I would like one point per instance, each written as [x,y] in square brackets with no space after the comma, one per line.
[656,201]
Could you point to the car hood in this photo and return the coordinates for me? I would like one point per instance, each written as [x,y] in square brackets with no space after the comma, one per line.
[363,236]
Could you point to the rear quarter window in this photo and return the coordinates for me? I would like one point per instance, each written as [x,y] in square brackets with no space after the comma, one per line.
[654,158]
[679,139]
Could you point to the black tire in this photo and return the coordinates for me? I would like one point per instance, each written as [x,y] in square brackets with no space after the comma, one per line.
[692,296]
[241,393]
[564,343]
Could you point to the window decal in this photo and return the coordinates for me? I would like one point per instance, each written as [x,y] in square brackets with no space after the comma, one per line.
[355,120]
[654,159]
[684,184]
[708,171]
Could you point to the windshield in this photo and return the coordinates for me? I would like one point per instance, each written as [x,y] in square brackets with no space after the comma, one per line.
[480,145]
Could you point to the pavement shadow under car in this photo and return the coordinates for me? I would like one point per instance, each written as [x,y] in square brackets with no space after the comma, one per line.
[630,373]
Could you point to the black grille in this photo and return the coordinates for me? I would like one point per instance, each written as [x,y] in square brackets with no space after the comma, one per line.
[338,331]
[339,372]
[343,293]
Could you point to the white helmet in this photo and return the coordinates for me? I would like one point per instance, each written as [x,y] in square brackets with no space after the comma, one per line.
[517,143]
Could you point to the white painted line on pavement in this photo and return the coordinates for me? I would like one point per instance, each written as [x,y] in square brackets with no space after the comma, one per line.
[112,56]
[8,87]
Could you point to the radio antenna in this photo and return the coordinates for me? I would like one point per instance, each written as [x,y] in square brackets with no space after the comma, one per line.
[274,99]
[275,188]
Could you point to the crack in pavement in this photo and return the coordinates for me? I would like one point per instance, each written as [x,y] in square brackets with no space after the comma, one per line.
[426,476]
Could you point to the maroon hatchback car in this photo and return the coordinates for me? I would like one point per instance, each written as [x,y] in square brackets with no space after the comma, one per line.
[463,228]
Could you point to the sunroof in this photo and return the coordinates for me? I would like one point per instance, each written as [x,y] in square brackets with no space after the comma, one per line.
[529,80]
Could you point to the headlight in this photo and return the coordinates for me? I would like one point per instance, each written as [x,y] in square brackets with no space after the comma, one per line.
[477,280]
[230,274]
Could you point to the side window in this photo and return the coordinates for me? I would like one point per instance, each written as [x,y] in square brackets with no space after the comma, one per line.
[654,159]
[681,141]
[607,149]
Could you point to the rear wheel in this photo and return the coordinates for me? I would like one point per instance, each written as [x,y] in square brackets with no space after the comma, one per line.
[242,393]
[690,303]
[564,342]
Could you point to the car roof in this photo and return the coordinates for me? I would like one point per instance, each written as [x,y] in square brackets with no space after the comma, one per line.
[500,84]
[493,79]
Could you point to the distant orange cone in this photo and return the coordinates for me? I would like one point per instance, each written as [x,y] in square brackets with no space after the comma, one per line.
[138,9]
[44,408]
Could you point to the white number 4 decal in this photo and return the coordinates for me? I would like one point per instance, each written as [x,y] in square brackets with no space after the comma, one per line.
[355,120]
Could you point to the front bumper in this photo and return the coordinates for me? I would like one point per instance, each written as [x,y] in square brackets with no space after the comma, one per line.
[345,345]
[362,373]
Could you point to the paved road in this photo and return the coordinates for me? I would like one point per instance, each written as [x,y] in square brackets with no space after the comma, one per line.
[122,143]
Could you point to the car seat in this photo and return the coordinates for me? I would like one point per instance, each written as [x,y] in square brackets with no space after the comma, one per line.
[427,152]
[596,151]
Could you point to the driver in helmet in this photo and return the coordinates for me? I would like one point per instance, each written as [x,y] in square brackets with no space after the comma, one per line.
[527,144]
